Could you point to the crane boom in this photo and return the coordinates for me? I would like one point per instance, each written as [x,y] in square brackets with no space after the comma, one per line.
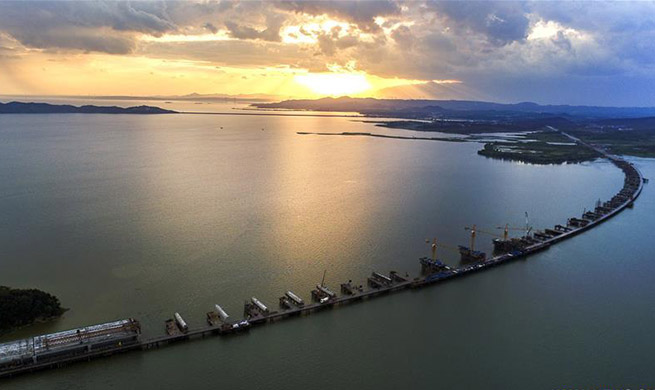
[482,231]
[507,228]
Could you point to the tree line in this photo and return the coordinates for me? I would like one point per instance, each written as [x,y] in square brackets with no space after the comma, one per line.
[19,307]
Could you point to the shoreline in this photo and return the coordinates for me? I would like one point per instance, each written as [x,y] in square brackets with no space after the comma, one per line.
[374,135]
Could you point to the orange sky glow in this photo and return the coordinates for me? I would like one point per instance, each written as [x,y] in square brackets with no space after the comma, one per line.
[501,51]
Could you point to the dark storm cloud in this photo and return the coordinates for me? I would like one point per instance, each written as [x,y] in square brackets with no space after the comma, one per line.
[209,26]
[628,28]
[403,37]
[247,32]
[501,22]
[91,26]
[270,33]
[105,25]
[362,13]
[330,43]
[80,39]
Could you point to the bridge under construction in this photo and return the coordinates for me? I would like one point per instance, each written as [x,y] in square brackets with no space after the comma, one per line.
[61,348]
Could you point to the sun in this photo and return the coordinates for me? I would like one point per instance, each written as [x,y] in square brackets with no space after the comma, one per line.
[334,84]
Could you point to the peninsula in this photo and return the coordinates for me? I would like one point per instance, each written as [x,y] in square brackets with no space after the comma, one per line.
[21,307]
[46,108]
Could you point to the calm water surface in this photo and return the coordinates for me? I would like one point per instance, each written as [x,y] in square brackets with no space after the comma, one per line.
[141,216]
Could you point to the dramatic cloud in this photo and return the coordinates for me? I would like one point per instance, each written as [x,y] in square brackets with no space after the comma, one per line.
[503,50]
[360,12]
[270,33]
[93,26]
[502,22]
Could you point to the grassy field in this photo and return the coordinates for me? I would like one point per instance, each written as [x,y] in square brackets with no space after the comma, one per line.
[639,143]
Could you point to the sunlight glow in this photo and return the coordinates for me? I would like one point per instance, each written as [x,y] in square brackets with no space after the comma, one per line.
[447,81]
[543,29]
[334,84]
[105,74]
[309,31]
[550,29]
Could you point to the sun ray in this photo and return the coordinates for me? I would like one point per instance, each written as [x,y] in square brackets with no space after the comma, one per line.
[334,84]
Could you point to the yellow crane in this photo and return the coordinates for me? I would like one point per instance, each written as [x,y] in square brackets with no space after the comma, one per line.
[506,228]
[474,230]
[473,233]
[434,246]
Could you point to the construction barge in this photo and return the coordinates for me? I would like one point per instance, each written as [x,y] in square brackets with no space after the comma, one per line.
[62,348]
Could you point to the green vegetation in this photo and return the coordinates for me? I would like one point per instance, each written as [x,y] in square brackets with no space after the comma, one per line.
[534,140]
[20,307]
[639,143]
[453,127]
[538,152]
[516,125]
[548,136]
[543,147]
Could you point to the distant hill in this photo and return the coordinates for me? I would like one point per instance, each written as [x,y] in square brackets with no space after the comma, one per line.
[252,97]
[455,108]
[45,108]
[192,97]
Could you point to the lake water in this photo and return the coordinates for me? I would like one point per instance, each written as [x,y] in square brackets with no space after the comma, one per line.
[141,216]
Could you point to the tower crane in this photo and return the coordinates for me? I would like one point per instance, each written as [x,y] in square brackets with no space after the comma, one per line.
[434,248]
[435,245]
[507,228]
[474,231]
[470,254]
[434,265]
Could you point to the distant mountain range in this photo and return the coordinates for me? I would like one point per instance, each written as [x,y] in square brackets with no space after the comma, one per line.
[195,97]
[219,96]
[45,108]
[462,109]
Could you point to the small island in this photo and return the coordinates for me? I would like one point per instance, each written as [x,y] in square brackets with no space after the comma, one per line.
[46,108]
[542,153]
[21,307]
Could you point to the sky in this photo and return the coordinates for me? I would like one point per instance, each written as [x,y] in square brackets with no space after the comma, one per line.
[592,53]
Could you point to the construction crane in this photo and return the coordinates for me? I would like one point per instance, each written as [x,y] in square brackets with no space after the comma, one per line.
[470,254]
[474,230]
[477,230]
[473,233]
[434,265]
[323,280]
[507,228]
[434,246]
